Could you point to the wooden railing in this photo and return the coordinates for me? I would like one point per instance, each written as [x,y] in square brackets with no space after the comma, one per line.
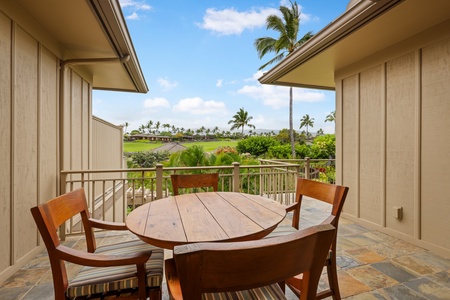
[111,193]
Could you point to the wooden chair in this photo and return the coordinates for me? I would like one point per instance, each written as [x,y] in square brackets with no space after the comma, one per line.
[329,193]
[194,181]
[249,270]
[131,265]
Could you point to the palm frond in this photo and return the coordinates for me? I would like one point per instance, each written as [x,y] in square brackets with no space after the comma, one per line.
[277,58]
[264,45]
[304,39]
[275,23]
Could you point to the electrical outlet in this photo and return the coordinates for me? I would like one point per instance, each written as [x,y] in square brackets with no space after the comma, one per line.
[398,213]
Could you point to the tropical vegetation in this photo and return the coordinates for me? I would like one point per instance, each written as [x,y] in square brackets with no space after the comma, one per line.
[307,122]
[287,27]
[240,120]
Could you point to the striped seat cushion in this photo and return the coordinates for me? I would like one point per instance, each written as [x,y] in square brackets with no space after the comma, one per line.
[94,280]
[270,292]
[285,228]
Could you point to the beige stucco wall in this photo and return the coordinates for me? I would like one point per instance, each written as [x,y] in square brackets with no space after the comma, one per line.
[393,113]
[30,136]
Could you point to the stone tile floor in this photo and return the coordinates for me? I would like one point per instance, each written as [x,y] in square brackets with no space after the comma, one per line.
[372,265]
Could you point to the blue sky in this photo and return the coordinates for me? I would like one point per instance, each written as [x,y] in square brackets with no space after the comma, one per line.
[201,66]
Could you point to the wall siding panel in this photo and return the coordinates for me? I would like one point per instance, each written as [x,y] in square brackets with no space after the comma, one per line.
[350,140]
[31,154]
[402,100]
[5,145]
[25,142]
[76,121]
[85,124]
[400,105]
[370,146]
[48,131]
[435,188]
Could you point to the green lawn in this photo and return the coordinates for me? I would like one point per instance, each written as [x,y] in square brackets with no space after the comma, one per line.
[140,146]
[144,146]
[213,145]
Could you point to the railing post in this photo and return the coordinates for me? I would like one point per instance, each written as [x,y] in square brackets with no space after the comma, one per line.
[62,190]
[236,177]
[159,181]
[307,168]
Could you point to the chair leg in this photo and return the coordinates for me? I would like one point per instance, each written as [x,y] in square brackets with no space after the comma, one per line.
[332,277]
[155,294]
[294,284]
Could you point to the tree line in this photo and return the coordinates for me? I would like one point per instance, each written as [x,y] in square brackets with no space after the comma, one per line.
[239,121]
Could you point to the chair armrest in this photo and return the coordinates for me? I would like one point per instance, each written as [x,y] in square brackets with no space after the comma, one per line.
[329,220]
[173,282]
[295,207]
[99,260]
[292,207]
[107,225]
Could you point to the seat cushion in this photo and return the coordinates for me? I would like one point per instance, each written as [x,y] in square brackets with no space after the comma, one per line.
[94,280]
[284,228]
[263,293]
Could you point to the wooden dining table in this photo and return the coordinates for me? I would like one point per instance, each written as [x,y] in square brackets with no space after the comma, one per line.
[205,217]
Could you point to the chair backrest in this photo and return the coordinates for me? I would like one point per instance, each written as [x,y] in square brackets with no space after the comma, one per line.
[221,267]
[325,192]
[52,214]
[194,181]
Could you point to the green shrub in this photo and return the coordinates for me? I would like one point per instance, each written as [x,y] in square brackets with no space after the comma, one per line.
[193,156]
[280,151]
[256,145]
[302,151]
[148,159]
[323,147]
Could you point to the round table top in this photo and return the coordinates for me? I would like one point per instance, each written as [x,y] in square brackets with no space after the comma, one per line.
[205,217]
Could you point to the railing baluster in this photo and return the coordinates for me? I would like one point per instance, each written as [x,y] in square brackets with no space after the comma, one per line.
[274,179]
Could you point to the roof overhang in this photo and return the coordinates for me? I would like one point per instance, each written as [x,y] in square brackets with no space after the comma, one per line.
[363,30]
[93,31]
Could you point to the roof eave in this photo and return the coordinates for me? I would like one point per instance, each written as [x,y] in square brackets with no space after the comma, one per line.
[354,18]
[113,23]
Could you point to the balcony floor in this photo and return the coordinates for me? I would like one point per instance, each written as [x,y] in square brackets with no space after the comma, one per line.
[372,265]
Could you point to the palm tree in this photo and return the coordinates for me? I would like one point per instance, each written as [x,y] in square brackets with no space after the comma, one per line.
[166,126]
[149,126]
[240,120]
[331,117]
[126,124]
[194,156]
[157,125]
[142,128]
[286,43]
[306,121]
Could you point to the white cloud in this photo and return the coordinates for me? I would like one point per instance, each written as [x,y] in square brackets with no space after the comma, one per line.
[134,4]
[133,16]
[156,103]
[255,76]
[259,121]
[278,96]
[230,21]
[197,106]
[166,84]
[132,7]
[219,83]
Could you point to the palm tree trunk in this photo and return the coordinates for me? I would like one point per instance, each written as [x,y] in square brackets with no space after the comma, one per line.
[291,129]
